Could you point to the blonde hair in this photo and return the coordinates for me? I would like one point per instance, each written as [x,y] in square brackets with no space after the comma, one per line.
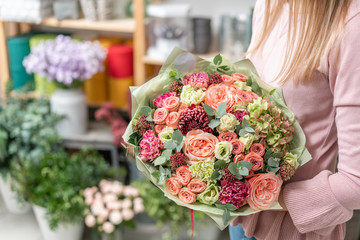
[314,27]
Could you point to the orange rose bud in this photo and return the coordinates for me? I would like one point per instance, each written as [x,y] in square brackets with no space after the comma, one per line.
[239,157]
[227,136]
[171,103]
[172,120]
[196,186]
[256,160]
[173,186]
[238,147]
[160,115]
[187,196]
[239,77]
[257,148]
[183,174]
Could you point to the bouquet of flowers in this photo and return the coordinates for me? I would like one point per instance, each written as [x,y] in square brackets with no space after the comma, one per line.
[66,61]
[214,137]
[111,205]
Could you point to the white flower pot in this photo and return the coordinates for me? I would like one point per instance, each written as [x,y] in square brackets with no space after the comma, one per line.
[62,232]
[14,204]
[72,104]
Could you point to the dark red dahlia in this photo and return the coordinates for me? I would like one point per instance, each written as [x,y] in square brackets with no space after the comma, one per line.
[227,177]
[176,87]
[177,160]
[194,118]
[215,79]
[286,170]
[142,125]
[234,193]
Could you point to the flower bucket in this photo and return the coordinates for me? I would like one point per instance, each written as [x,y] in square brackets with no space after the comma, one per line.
[12,203]
[72,104]
[62,232]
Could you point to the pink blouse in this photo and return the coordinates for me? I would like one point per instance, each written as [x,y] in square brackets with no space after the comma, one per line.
[319,201]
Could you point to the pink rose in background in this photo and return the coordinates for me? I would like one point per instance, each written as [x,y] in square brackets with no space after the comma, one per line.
[127,214]
[115,217]
[138,208]
[227,136]
[264,190]
[117,187]
[110,197]
[173,185]
[114,205]
[90,221]
[126,203]
[187,196]
[172,120]
[108,227]
[171,103]
[160,115]
[199,145]
[238,146]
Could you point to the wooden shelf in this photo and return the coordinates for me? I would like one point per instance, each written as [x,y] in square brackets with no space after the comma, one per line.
[152,61]
[126,25]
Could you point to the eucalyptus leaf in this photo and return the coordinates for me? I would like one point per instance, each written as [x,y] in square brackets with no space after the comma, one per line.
[221,109]
[246,164]
[156,174]
[245,123]
[159,161]
[214,123]
[149,118]
[177,136]
[219,164]
[232,168]
[243,171]
[272,162]
[179,146]
[231,207]
[215,175]
[276,155]
[226,216]
[243,132]
[274,169]
[167,153]
[267,154]
[238,176]
[219,205]
[146,110]
[249,129]
[217,59]
[209,110]
[170,145]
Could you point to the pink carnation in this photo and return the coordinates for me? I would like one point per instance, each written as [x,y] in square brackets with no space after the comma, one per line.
[234,193]
[159,102]
[150,146]
[199,80]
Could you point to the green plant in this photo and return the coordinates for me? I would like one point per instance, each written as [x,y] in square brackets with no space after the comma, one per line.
[55,181]
[26,130]
[164,210]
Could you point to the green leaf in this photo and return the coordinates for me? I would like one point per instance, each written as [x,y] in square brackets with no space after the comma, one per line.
[177,137]
[224,67]
[238,128]
[146,110]
[249,81]
[215,175]
[162,170]
[160,161]
[226,217]
[217,59]
[276,155]
[214,123]
[256,88]
[166,153]
[179,146]
[221,110]
[170,145]
[239,176]
[272,91]
[267,154]
[219,205]
[172,74]
[232,168]
[134,139]
[246,164]
[243,171]
[219,164]
[249,129]
[272,162]
[274,169]
[149,118]
[243,132]
[231,207]
[209,110]
[245,123]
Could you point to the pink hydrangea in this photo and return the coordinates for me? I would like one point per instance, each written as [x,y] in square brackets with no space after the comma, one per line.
[150,146]
[234,193]
[198,80]
[159,102]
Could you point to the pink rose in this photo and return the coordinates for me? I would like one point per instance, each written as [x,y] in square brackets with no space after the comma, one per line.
[264,190]
[183,174]
[196,186]
[173,185]
[110,197]
[108,227]
[127,214]
[239,77]
[139,207]
[187,196]
[227,136]
[114,205]
[160,115]
[90,221]
[172,120]
[126,203]
[117,188]
[199,145]
[238,146]
[227,79]
[159,128]
[115,217]
[171,103]
[255,159]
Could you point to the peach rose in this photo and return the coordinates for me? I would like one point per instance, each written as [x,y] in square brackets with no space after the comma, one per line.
[227,79]
[160,115]
[183,174]
[187,196]
[227,136]
[173,185]
[219,93]
[199,145]
[171,103]
[264,190]
[257,148]
[253,95]
[255,159]
[196,186]
[239,77]
[182,108]
[239,157]
[240,95]
[172,120]
[238,146]
[159,128]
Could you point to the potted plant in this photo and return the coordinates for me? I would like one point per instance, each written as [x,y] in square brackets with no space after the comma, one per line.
[26,130]
[111,206]
[67,63]
[53,184]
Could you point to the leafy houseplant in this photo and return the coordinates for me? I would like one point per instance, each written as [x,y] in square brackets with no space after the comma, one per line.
[67,63]
[55,181]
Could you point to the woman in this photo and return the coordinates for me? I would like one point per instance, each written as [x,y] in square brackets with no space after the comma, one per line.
[311,49]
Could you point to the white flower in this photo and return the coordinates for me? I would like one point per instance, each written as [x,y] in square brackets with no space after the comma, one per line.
[110,197]
[127,214]
[228,122]
[108,227]
[247,140]
[223,151]
[90,221]
[166,134]
[126,203]
[138,207]
[115,217]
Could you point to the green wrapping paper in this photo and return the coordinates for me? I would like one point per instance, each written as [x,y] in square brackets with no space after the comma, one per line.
[182,61]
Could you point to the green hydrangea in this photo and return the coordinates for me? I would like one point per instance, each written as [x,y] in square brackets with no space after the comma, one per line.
[210,195]
[202,170]
[166,134]
[242,85]
[223,151]
[258,105]
[292,159]
[228,122]
[190,95]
